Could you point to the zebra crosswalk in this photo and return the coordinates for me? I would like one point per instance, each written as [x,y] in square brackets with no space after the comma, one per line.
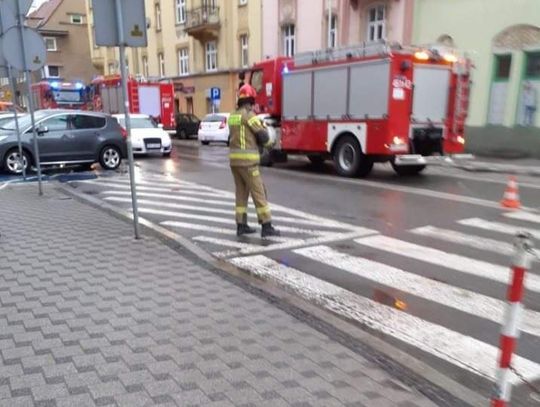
[443,286]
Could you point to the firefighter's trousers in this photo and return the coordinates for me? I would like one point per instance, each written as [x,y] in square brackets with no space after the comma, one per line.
[248,180]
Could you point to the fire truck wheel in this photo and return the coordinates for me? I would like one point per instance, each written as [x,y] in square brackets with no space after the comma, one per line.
[407,170]
[349,159]
[110,157]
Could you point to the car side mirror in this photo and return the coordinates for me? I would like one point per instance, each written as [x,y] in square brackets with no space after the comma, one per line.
[41,130]
[160,125]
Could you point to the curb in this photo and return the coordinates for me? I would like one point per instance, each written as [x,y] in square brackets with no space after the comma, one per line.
[438,387]
[532,171]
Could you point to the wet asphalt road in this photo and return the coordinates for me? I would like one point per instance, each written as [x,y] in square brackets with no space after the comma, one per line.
[442,201]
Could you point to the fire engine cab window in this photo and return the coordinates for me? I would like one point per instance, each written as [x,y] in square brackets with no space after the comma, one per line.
[502,67]
[88,122]
[256,80]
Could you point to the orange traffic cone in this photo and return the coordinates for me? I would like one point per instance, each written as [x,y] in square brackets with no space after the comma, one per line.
[511,195]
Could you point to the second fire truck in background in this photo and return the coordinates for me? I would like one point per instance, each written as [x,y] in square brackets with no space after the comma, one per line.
[155,99]
[58,94]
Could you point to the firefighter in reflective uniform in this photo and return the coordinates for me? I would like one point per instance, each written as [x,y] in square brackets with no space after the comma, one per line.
[248,138]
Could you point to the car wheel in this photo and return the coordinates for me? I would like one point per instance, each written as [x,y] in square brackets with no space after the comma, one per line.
[110,158]
[182,135]
[12,162]
[167,154]
[349,159]
[407,170]
[228,142]
[205,143]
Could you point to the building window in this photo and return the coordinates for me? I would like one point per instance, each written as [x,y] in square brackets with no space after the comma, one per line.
[211,56]
[50,43]
[180,11]
[76,19]
[376,23]
[243,2]
[289,40]
[161,64]
[183,61]
[158,16]
[145,66]
[244,48]
[112,68]
[51,71]
[532,70]
[502,67]
[332,35]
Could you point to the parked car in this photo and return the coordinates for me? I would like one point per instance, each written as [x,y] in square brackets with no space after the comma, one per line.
[186,125]
[214,128]
[147,137]
[64,137]
[7,117]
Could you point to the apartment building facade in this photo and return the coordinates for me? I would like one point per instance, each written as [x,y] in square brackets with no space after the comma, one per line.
[63,25]
[292,26]
[196,44]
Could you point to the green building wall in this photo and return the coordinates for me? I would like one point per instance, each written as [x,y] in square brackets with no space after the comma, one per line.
[484,29]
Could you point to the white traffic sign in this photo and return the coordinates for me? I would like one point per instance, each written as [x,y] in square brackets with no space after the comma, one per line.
[133,23]
[34,46]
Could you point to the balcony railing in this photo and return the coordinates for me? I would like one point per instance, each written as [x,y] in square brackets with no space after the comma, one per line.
[203,21]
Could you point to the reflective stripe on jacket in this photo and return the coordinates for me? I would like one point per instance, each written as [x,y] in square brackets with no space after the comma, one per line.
[244,148]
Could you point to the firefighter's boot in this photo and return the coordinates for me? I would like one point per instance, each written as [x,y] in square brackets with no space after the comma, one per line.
[268,230]
[244,229]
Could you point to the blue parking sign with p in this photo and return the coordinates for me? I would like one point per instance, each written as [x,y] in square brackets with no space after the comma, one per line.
[215,93]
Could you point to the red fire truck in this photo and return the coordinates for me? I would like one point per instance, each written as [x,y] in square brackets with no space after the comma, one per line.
[57,94]
[155,99]
[360,105]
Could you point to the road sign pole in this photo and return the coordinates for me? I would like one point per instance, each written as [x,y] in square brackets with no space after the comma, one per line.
[123,78]
[13,86]
[20,19]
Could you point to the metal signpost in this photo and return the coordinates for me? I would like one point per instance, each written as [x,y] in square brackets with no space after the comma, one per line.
[25,51]
[122,23]
[7,72]
[215,97]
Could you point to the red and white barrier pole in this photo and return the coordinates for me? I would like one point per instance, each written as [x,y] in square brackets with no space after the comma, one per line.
[510,330]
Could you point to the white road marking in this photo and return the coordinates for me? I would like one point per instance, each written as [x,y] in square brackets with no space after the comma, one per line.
[172,197]
[154,189]
[449,260]
[220,231]
[460,350]
[224,220]
[526,216]
[476,242]
[329,237]
[166,184]
[498,227]
[463,300]
[226,243]
[229,212]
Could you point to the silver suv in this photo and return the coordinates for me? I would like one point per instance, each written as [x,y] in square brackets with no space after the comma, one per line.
[64,137]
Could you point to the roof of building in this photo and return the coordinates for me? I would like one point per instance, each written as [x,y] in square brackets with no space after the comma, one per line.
[40,16]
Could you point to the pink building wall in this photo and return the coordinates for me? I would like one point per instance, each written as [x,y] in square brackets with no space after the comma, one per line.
[310,19]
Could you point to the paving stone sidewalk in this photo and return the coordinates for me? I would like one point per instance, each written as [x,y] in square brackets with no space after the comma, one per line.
[90,317]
